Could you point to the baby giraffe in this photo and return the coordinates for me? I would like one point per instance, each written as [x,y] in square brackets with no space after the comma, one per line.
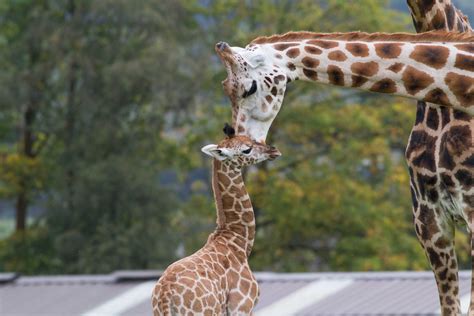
[217,280]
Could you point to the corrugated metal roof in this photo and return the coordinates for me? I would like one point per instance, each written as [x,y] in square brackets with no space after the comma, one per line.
[128,293]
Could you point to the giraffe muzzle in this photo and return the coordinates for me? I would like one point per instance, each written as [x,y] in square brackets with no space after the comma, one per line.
[221,46]
[224,52]
[273,153]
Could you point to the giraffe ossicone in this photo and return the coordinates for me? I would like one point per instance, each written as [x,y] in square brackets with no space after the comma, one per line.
[436,67]
[217,280]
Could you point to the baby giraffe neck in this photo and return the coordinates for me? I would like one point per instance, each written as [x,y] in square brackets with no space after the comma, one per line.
[437,72]
[234,209]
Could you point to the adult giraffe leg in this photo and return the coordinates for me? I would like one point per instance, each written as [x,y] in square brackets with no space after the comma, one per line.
[471,228]
[437,239]
[431,15]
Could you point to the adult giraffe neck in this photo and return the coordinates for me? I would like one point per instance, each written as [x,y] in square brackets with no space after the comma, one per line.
[435,67]
[234,209]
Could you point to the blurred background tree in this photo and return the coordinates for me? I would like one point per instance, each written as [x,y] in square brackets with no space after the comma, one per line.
[104,106]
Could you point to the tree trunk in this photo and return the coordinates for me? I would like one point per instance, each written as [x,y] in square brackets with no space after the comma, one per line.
[26,149]
[21,207]
[70,115]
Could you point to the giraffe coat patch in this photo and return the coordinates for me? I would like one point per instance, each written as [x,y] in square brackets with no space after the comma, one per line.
[313,50]
[388,50]
[433,56]
[358,49]
[462,87]
[335,75]
[416,80]
[384,86]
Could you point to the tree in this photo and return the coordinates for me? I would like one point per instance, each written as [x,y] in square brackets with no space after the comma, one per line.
[124,95]
[27,67]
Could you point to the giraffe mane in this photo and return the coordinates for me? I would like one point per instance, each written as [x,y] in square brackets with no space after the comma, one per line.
[433,36]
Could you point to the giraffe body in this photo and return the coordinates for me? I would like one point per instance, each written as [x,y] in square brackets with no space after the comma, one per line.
[217,280]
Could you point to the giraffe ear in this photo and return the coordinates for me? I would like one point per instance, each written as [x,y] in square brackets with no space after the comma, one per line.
[213,151]
[256,60]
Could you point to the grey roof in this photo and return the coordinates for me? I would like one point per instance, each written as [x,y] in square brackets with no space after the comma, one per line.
[128,293]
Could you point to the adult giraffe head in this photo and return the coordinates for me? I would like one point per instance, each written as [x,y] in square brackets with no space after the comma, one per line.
[256,87]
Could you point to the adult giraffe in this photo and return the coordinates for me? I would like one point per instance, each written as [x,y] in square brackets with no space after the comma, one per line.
[435,66]
[427,16]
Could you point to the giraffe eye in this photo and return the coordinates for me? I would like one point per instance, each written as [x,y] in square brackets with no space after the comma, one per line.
[252,90]
[247,151]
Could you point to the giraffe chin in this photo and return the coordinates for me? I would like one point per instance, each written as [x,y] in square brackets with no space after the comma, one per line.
[257,128]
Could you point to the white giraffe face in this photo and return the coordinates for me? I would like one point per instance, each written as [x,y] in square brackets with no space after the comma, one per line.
[256,87]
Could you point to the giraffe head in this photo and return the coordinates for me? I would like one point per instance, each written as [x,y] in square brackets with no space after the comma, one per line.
[240,150]
[255,85]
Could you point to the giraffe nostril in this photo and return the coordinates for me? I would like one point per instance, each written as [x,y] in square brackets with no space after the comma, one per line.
[221,45]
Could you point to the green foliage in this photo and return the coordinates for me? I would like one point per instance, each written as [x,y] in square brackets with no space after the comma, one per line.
[30,252]
[335,213]
[126,92]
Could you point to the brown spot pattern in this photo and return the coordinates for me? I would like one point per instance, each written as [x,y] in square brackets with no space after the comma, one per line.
[323,44]
[336,76]
[358,49]
[437,96]
[283,46]
[420,150]
[223,179]
[310,62]
[313,50]
[384,86]
[462,87]
[293,52]
[365,69]
[428,219]
[433,56]
[464,62]
[432,119]
[337,56]
[358,81]
[396,67]
[466,47]
[291,66]
[439,21]
[311,74]
[388,50]
[426,5]
[279,78]
[415,80]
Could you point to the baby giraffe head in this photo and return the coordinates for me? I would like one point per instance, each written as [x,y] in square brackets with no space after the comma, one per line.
[240,150]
